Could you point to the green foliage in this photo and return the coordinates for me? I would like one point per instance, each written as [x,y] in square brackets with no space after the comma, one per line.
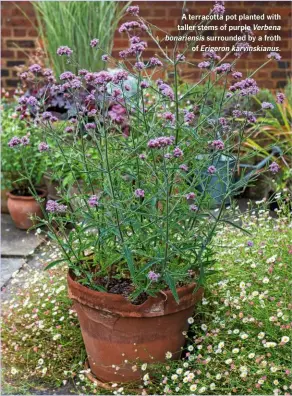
[75,24]
[274,128]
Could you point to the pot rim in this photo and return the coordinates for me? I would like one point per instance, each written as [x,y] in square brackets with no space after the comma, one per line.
[43,194]
[161,305]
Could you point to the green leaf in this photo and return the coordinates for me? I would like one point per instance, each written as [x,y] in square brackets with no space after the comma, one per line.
[146,266]
[130,262]
[236,226]
[170,282]
[53,263]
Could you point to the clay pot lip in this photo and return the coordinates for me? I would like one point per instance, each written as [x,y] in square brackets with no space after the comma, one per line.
[117,303]
[43,194]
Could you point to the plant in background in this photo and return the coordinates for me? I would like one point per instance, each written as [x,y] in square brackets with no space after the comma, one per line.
[144,225]
[274,128]
[12,165]
[75,23]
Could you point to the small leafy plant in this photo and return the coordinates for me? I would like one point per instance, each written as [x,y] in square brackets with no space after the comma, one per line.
[144,220]
[17,162]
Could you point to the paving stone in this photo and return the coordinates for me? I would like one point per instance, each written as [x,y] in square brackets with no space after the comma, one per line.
[15,242]
[8,267]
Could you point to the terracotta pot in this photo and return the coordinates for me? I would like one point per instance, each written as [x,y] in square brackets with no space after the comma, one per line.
[4,207]
[21,208]
[114,330]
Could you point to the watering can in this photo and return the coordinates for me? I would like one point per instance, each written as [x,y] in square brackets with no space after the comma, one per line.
[216,187]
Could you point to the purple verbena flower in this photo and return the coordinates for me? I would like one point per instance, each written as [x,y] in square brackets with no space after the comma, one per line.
[237,75]
[43,146]
[274,168]
[133,10]
[267,105]
[190,195]
[120,76]
[94,43]
[22,100]
[144,84]
[24,140]
[224,68]
[82,72]
[189,117]
[69,129]
[93,201]
[46,115]
[67,75]
[23,76]
[222,121]
[177,152]
[165,90]
[142,157]
[32,101]
[280,97]
[236,113]
[129,26]
[250,243]
[161,142]
[15,141]
[211,55]
[251,118]
[218,145]
[241,48]
[180,58]
[139,66]
[48,72]
[90,125]
[184,167]
[64,50]
[55,207]
[153,276]
[35,68]
[212,170]
[139,193]
[168,116]
[193,208]
[274,55]
[204,65]
[155,62]
[117,93]
[104,58]
[218,8]
[245,87]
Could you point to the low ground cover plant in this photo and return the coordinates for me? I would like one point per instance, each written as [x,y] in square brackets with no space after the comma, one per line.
[239,341]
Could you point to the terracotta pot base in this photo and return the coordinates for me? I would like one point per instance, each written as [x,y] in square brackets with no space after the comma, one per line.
[119,335]
[92,378]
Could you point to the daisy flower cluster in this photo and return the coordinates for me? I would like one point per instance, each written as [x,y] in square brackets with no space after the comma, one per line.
[41,339]
[240,336]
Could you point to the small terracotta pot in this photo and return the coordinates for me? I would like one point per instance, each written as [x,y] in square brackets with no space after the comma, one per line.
[114,330]
[22,208]
[4,207]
